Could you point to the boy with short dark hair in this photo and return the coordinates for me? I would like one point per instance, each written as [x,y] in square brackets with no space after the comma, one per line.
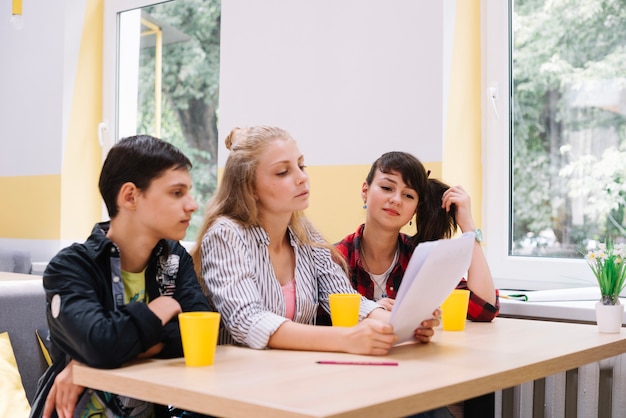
[116,297]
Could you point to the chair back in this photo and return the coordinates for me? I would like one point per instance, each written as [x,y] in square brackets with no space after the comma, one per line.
[15,261]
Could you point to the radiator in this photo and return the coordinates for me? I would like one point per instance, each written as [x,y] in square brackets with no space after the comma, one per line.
[593,390]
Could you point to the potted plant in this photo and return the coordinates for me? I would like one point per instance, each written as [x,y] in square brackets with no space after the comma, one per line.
[607,264]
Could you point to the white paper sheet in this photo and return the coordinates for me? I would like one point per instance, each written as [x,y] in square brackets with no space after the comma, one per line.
[435,269]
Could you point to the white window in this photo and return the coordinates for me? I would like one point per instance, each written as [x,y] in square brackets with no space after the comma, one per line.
[161,78]
[554,123]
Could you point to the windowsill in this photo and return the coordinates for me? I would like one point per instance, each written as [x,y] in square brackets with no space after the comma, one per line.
[567,311]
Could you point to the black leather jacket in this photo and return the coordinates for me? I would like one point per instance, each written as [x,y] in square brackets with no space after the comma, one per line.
[87,319]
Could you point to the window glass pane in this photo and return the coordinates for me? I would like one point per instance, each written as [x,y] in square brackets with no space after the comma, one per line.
[168,80]
[568,145]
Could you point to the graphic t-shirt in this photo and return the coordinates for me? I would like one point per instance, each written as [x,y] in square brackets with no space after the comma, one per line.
[134,286]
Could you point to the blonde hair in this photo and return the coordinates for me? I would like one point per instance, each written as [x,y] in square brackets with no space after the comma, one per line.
[235,199]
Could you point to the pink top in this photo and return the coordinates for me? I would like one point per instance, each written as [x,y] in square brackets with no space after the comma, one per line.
[289,292]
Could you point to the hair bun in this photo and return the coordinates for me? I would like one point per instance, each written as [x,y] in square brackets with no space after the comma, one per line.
[233,137]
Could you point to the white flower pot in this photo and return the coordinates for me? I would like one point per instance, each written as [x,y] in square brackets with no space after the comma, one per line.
[609,318]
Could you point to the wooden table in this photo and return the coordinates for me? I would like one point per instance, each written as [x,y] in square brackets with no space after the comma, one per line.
[5,275]
[276,383]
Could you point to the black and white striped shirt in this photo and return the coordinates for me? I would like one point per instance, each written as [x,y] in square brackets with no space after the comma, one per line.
[242,286]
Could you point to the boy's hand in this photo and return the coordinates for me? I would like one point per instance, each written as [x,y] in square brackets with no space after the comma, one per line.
[165,307]
[152,351]
[63,395]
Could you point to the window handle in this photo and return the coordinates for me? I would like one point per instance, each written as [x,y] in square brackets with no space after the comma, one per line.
[102,127]
[492,93]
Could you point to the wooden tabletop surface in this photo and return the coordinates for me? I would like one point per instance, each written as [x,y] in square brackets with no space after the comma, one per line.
[5,275]
[278,383]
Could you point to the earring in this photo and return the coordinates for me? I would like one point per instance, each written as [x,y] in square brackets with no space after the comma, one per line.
[364,205]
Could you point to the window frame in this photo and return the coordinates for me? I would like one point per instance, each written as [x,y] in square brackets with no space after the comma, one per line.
[509,272]
[110,125]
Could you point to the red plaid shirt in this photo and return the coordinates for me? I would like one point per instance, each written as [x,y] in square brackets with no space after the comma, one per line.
[350,246]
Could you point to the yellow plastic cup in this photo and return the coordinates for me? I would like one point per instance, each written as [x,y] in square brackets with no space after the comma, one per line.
[454,310]
[344,309]
[198,332]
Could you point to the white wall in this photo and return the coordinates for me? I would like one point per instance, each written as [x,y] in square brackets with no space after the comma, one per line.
[36,84]
[31,83]
[349,79]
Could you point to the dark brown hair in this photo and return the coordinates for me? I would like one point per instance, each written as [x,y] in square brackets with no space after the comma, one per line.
[433,222]
[137,159]
[408,166]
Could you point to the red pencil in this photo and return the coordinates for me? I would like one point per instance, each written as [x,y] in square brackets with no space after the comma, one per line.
[361,363]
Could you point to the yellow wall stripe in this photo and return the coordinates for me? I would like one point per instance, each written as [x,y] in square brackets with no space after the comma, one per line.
[462,145]
[31,207]
[81,203]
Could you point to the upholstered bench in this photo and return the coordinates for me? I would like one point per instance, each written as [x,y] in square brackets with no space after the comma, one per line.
[22,313]
[16,261]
